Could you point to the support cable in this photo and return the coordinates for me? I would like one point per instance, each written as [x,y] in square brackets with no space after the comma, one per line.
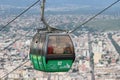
[19,15]
[14,69]
[18,38]
[69,32]
[95,16]
[15,41]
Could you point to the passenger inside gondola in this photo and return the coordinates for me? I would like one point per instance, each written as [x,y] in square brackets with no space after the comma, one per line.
[59,45]
[50,50]
[67,49]
[50,47]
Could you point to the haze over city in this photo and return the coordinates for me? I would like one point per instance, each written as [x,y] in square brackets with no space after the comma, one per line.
[100,36]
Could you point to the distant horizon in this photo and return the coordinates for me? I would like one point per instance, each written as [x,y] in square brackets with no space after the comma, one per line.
[60,6]
[24,3]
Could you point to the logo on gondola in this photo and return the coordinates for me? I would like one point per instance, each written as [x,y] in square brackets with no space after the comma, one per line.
[67,65]
[60,63]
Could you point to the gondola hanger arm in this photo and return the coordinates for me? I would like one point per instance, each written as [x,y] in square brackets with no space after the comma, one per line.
[48,27]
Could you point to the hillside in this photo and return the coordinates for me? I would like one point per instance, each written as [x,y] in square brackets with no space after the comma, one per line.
[105,25]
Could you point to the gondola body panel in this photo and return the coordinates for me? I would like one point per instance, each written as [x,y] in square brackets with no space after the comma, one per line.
[36,52]
[54,54]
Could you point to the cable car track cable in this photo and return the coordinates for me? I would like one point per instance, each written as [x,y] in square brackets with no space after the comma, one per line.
[18,38]
[95,16]
[15,69]
[20,15]
[15,41]
[23,59]
[69,32]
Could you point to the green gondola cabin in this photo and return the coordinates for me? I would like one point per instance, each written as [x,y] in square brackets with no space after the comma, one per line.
[52,52]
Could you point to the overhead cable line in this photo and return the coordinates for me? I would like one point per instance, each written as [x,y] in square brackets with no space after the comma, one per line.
[15,69]
[95,16]
[23,59]
[69,32]
[18,38]
[19,15]
[15,41]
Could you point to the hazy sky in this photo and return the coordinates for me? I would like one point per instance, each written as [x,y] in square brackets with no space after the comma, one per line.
[57,2]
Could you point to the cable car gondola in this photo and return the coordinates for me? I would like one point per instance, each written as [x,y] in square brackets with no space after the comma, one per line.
[51,50]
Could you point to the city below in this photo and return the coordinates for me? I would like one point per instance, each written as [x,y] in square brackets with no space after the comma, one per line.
[100,47]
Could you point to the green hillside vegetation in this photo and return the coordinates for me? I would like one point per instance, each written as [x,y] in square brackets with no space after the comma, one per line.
[105,25]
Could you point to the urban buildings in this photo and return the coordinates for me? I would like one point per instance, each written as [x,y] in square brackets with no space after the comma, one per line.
[105,56]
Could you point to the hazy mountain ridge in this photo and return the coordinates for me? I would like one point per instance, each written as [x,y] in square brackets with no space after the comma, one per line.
[58,2]
[59,6]
[63,7]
